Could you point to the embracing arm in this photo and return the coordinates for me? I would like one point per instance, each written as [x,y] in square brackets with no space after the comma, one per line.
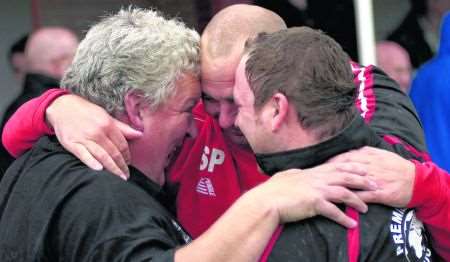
[243,232]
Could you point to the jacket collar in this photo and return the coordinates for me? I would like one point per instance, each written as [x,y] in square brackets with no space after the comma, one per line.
[39,83]
[356,135]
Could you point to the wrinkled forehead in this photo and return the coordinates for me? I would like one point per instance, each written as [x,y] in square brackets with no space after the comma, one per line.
[188,87]
[217,76]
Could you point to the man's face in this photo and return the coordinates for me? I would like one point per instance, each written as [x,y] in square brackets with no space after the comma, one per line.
[400,70]
[217,94]
[166,128]
[19,62]
[249,120]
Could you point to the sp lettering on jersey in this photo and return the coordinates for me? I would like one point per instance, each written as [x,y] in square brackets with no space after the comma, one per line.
[211,158]
[409,236]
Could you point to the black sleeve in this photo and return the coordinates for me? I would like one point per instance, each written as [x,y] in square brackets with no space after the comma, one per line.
[387,110]
[112,221]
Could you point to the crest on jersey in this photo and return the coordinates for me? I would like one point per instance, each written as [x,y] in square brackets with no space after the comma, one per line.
[409,236]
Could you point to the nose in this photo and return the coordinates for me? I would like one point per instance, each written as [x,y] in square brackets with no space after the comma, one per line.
[227,115]
[192,128]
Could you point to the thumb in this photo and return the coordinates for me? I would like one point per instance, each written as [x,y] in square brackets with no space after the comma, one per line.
[127,131]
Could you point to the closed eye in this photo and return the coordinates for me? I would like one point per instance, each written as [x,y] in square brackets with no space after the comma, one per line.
[207,98]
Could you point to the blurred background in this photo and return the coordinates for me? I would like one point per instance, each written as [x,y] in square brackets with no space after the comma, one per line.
[337,18]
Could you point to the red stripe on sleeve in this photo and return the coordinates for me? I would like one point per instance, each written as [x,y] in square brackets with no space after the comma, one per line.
[271,244]
[353,243]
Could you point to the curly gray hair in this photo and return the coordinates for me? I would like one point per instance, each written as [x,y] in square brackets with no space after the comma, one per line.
[133,50]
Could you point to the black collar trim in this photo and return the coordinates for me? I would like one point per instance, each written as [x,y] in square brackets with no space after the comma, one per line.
[356,135]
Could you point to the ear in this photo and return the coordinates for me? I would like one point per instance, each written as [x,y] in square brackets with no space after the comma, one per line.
[132,104]
[280,110]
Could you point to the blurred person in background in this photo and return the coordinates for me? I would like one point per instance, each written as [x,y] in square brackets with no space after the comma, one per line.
[394,61]
[430,92]
[418,33]
[48,53]
[337,19]
[16,58]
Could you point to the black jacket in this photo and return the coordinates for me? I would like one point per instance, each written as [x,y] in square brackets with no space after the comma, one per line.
[54,208]
[386,234]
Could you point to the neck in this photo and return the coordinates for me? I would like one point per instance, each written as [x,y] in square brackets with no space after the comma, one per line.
[296,137]
[139,160]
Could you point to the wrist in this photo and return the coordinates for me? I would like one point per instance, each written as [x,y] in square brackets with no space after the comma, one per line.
[259,204]
[51,112]
[425,190]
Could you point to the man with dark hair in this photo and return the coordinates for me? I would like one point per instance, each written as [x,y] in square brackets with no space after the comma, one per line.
[16,58]
[295,96]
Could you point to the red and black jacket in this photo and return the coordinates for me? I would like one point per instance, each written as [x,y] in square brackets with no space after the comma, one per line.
[383,233]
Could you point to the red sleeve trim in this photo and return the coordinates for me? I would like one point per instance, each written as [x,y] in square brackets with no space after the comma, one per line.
[266,253]
[393,140]
[353,239]
[39,119]
[28,123]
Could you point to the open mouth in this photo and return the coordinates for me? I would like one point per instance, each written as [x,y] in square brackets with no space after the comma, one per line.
[173,156]
[236,132]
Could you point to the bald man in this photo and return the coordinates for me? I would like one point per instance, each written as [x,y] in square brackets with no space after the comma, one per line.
[221,47]
[394,60]
[48,53]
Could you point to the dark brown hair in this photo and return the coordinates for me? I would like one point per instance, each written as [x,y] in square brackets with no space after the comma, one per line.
[311,70]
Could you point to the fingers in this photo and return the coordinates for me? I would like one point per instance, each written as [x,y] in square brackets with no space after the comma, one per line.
[127,131]
[118,139]
[110,148]
[378,197]
[105,159]
[332,212]
[85,156]
[353,168]
[347,197]
[358,181]
[357,155]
